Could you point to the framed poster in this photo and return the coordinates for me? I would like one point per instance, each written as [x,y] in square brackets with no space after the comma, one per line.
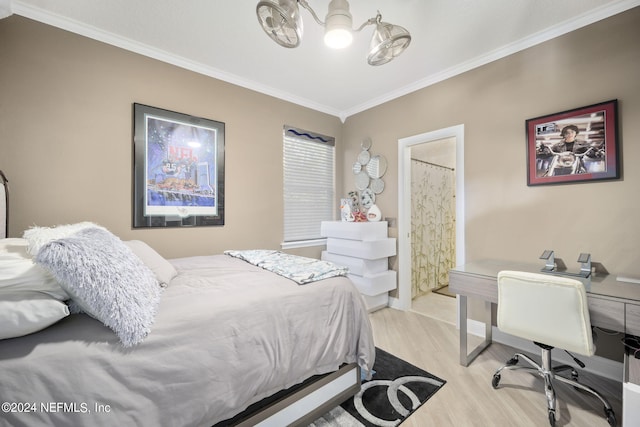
[578,145]
[178,172]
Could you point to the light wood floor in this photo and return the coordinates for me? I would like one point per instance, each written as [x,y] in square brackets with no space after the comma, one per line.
[468,399]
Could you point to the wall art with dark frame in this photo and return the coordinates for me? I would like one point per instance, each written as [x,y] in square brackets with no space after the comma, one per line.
[578,145]
[178,171]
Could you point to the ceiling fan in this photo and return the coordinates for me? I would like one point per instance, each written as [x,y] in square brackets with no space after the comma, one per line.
[281,20]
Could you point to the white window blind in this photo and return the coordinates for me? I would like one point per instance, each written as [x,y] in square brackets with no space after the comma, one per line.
[309,170]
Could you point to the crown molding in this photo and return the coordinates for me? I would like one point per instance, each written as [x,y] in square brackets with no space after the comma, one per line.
[575,23]
[83,29]
[94,33]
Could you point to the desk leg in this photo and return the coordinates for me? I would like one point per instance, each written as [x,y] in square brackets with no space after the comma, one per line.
[465,357]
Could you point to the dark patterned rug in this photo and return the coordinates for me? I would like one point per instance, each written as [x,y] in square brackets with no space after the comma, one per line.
[396,390]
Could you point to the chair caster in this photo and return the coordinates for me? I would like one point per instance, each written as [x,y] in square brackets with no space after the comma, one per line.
[552,418]
[611,417]
[513,361]
[495,381]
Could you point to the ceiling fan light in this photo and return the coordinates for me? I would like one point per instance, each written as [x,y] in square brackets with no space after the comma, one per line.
[338,38]
[338,23]
[387,42]
[280,20]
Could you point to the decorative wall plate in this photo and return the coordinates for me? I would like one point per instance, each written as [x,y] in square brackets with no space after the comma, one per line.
[377,185]
[362,180]
[377,166]
[363,157]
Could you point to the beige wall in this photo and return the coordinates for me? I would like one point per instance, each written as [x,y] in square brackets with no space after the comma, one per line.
[65,142]
[504,218]
[66,138]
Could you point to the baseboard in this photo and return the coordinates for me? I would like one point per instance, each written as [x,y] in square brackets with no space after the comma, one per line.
[475,327]
[595,364]
[395,303]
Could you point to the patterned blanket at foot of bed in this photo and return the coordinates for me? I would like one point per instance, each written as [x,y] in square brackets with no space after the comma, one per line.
[301,270]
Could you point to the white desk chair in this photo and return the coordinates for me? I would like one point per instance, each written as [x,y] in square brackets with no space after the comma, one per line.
[551,311]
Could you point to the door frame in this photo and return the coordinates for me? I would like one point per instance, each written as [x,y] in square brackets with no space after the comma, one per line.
[403,301]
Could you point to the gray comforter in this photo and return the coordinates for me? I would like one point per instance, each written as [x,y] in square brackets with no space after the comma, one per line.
[227,334]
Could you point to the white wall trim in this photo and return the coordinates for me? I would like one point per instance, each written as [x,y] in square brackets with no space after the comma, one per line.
[595,364]
[404,205]
[65,23]
[47,17]
[5,8]
[304,243]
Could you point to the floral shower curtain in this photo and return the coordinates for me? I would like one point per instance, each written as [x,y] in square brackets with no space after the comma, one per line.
[432,226]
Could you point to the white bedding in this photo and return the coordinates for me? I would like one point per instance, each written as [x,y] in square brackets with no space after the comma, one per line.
[227,334]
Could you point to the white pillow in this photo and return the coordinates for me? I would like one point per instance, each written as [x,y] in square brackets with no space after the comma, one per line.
[24,313]
[163,269]
[40,236]
[106,280]
[18,272]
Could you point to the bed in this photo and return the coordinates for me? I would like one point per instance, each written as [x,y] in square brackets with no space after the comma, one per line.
[226,335]
[4,206]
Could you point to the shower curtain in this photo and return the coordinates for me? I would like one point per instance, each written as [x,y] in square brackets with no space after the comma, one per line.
[432,226]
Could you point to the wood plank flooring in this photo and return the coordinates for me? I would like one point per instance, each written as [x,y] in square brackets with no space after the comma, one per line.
[468,399]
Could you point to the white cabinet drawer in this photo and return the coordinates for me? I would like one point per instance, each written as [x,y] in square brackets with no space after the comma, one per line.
[372,249]
[359,266]
[375,284]
[354,230]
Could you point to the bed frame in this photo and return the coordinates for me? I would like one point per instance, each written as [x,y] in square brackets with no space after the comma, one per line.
[301,404]
[4,206]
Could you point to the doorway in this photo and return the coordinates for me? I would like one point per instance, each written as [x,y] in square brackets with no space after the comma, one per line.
[405,145]
[433,216]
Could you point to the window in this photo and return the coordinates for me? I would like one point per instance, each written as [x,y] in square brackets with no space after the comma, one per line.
[309,170]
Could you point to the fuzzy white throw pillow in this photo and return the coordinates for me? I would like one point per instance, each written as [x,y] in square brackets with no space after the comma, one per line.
[106,280]
[40,236]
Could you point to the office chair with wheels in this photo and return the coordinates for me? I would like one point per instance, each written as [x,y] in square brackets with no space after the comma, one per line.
[551,311]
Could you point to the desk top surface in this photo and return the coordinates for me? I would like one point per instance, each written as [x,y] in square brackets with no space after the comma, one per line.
[605,285]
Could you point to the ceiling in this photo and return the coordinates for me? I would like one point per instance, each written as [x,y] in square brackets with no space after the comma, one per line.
[222,39]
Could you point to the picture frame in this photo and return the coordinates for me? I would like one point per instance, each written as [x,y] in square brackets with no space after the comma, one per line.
[578,145]
[178,170]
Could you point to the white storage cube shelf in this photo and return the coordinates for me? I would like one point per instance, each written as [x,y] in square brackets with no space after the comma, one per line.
[369,249]
[376,283]
[364,248]
[354,230]
[359,266]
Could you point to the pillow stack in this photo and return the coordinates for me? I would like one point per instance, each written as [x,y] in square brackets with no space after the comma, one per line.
[30,298]
[100,275]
